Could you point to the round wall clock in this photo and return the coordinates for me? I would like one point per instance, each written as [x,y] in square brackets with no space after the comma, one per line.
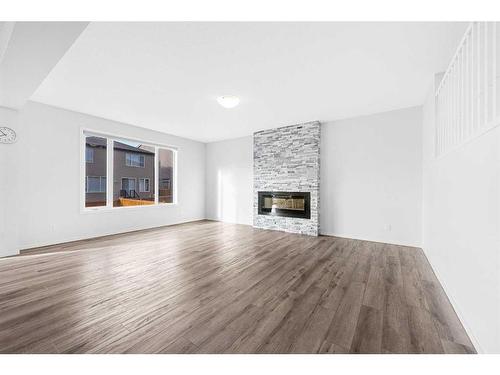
[7,135]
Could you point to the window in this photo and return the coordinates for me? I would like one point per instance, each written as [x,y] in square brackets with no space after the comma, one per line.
[144,185]
[165,182]
[134,160]
[166,162]
[132,192]
[109,181]
[89,154]
[95,171]
[95,184]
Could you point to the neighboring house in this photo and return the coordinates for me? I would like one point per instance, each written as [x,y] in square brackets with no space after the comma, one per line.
[95,171]
[133,172]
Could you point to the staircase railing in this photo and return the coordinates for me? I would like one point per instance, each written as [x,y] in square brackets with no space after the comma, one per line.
[467,99]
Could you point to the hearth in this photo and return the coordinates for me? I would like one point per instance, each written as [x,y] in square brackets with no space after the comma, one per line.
[285,203]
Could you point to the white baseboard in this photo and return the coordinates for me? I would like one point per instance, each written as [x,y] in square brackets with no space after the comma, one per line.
[228,221]
[370,239]
[455,306]
[75,238]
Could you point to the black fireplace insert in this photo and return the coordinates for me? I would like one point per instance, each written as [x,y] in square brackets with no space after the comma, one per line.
[285,203]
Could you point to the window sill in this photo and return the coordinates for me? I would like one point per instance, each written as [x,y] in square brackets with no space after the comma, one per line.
[127,208]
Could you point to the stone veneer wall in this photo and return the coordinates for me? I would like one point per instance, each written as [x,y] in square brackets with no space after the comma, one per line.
[287,159]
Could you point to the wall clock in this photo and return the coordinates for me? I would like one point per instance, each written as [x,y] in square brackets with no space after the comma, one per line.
[7,135]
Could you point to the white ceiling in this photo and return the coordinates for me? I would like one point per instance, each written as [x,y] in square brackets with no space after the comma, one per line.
[167,76]
[28,53]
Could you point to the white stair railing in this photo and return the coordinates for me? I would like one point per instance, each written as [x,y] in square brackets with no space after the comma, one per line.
[467,99]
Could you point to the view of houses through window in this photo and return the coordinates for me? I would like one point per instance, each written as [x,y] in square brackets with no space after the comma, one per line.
[132,162]
[133,173]
[95,171]
[166,171]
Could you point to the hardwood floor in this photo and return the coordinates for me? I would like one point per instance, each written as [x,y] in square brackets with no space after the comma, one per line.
[208,287]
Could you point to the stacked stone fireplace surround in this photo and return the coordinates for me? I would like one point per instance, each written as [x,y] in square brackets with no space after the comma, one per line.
[288,159]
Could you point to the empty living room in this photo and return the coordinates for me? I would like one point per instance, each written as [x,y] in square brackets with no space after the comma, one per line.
[228,186]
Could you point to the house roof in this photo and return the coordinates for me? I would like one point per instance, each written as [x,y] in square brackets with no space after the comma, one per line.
[101,142]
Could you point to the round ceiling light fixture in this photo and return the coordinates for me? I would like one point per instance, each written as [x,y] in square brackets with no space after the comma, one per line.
[228,101]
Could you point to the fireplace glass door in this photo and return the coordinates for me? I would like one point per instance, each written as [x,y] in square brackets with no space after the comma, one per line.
[288,204]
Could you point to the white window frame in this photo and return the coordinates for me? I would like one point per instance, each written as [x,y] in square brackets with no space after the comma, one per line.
[144,182]
[141,157]
[111,138]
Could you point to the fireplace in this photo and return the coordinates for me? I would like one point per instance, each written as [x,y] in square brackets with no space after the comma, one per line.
[284,203]
[286,172]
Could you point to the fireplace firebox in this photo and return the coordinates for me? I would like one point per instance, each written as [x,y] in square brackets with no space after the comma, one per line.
[285,203]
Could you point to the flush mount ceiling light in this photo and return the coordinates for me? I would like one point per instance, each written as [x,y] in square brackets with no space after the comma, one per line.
[228,101]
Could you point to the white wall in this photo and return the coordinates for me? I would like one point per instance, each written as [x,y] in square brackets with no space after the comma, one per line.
[364,187]
[229,167]
[371,182]
[8,186]
[461,231]
[47,198]
[370,178]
